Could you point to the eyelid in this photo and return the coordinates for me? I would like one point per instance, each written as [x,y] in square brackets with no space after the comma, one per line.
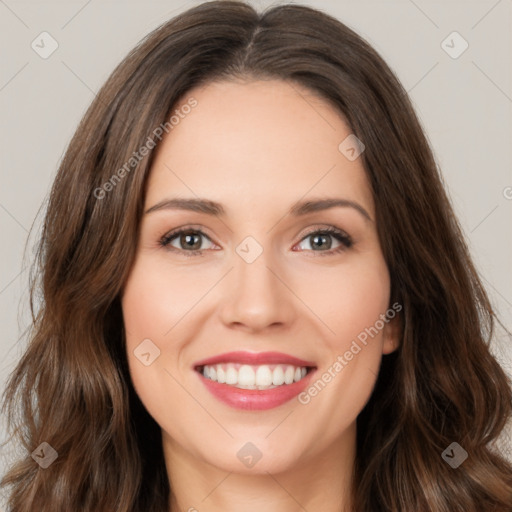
[325,228]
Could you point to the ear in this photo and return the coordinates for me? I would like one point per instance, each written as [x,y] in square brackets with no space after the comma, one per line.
[391,334]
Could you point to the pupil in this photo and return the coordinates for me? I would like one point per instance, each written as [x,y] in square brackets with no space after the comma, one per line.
[189,241]
[323,238]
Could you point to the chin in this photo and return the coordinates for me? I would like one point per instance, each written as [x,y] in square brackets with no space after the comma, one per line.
[252,455]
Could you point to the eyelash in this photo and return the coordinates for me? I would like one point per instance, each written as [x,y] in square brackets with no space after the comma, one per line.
[342,237]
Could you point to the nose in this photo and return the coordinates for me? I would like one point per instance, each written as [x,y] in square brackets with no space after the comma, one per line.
[256,295]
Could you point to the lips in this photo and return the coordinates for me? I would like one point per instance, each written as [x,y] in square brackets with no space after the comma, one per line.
[225,376]
[255,358]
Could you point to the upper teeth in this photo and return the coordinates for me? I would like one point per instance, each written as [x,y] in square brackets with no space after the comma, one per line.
[254,377]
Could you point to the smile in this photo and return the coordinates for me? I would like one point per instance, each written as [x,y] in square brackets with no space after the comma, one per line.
[254,377]
[255,381]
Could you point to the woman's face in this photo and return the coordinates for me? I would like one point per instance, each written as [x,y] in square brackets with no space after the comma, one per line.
[256,281]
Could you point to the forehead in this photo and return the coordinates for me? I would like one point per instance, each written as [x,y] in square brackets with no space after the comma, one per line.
[258,142]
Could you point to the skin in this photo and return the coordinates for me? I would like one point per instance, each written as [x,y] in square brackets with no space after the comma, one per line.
[257,147]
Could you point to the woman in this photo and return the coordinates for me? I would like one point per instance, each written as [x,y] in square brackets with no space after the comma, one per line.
[194,351]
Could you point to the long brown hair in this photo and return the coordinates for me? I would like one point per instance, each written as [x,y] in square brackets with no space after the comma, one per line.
[72,388]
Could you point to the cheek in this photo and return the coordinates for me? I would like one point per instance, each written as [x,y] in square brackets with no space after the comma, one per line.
[151,307]
[157,297]
[158,303]
[352,352]
[351,300]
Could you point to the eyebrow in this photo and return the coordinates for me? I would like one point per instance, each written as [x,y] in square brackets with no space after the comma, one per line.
[213,208]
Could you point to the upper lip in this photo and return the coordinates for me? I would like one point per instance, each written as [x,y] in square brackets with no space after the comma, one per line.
[254,358]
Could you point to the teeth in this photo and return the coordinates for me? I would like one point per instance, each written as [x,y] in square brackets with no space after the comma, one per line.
[278,376]
[264,376]
[231,375]
[246,376]
[288,375]
[254,377]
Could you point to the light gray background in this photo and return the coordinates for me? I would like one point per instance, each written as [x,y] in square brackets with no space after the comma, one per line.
[465,105]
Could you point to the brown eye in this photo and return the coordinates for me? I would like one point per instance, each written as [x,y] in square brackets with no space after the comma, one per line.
[190,240]
[185,240]
[322,241]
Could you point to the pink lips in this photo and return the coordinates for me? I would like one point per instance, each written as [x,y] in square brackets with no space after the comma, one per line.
[254,358]
[254,399]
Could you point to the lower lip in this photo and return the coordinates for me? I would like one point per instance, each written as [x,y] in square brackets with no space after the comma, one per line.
[255,399]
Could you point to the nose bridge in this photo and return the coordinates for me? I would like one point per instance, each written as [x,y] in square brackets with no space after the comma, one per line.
[254,272]
[255,296]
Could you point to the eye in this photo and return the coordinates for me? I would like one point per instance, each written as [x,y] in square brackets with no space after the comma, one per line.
[186,240]
[189,241]
[320,240]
